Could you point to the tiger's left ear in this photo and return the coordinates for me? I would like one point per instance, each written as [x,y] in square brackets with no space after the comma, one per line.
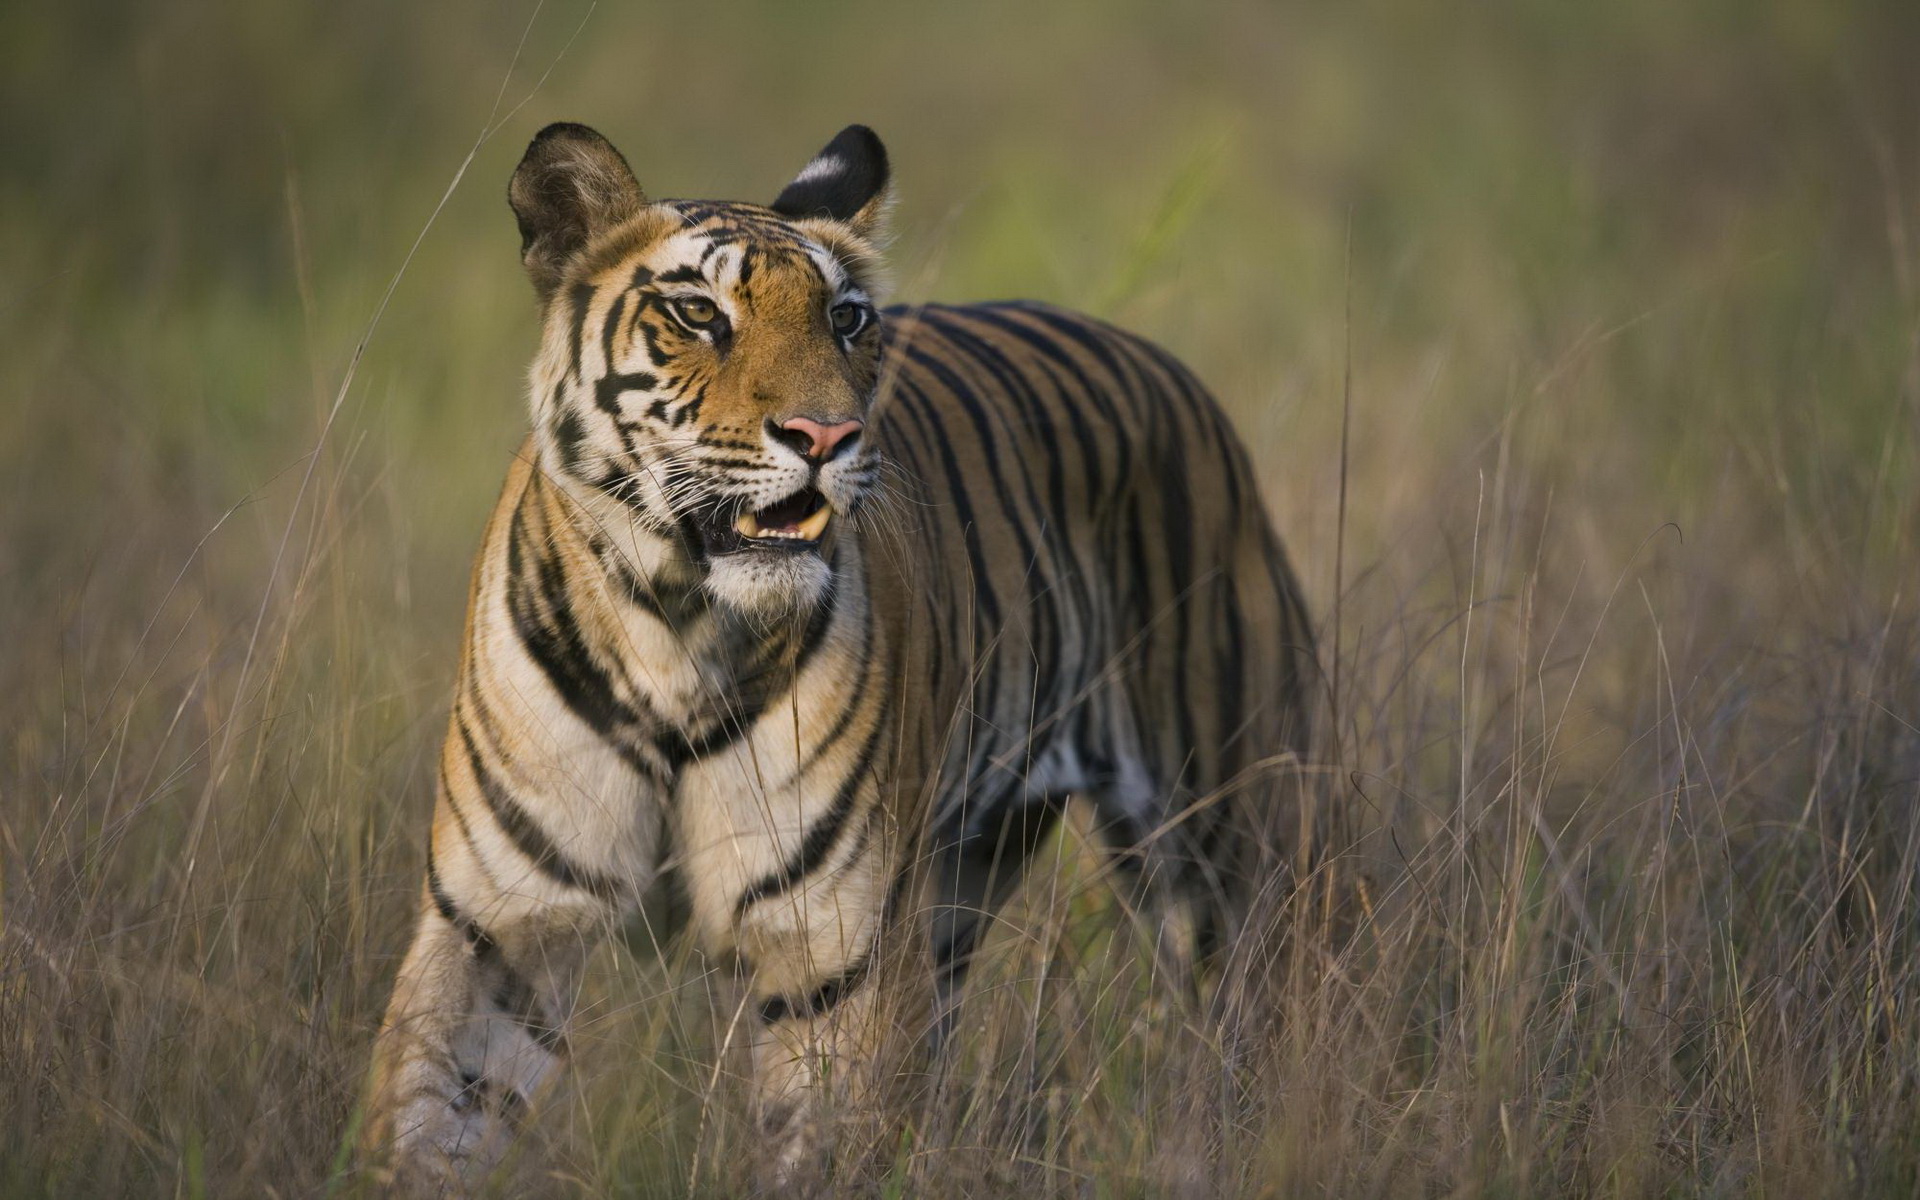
[846,181]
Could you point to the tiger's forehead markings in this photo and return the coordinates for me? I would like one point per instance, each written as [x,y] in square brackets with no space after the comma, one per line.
[737,239]
[733,221]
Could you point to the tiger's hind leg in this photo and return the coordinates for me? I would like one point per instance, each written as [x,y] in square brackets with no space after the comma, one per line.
[1152,856]
[976,865]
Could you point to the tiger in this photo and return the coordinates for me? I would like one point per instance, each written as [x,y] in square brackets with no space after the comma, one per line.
[821,612]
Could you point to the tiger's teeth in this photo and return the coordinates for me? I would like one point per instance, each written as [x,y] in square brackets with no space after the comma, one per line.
[809,530]
[815,525]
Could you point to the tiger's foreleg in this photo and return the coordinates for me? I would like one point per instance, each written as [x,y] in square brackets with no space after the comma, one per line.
[474,1032]
[824,1006]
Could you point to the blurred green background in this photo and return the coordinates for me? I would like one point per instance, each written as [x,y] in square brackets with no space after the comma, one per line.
[201,204]
[1627,294]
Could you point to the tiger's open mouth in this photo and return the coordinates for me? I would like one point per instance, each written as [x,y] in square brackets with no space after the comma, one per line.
[793,524]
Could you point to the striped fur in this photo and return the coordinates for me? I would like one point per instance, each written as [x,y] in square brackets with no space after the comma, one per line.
[1047,573]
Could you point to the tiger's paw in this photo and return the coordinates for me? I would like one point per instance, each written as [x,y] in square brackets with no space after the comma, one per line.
[448,1145]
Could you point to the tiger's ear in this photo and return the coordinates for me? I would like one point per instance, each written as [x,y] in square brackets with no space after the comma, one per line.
[846,181]
[571,185]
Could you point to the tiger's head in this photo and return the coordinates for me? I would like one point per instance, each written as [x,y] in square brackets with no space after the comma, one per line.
[707,368]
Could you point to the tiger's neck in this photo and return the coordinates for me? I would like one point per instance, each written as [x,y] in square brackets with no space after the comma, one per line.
[640,599]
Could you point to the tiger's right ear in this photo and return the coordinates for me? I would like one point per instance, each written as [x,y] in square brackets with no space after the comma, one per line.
[571,185]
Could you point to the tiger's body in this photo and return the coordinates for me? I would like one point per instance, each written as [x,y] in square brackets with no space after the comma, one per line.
[842,733]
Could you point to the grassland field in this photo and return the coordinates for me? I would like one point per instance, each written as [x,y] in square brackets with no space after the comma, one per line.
[1603,319]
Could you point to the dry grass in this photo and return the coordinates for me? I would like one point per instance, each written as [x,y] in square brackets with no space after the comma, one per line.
[1620,807]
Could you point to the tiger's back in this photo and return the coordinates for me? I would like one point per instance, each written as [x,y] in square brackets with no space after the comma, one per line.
[1110,597]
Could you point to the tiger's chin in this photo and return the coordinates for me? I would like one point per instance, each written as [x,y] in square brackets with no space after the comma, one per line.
[769,563]
[769,585]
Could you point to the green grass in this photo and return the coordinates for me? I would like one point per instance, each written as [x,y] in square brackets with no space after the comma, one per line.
[1621,802]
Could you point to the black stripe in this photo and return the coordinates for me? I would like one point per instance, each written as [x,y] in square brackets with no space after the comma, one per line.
[1096,339]
[970,402]
[511,994]
[674,604]
[611,325]
[657,354]
[608,389]
[1177,543]
[729,462]
[1055,357]
[515,999]
[478,938]
[553,640]
[1170,484]
[908,447]
[1230,642]
[460,818]
[819,840]
[822,999]
[953,954]
[844,721]
[491,1094]
[1049,331]
[957,491]
[1205,410]
[581,298]
[568,431]
[1035,409]
[680,747]
[1071,328]
[524,832]
[1060,626]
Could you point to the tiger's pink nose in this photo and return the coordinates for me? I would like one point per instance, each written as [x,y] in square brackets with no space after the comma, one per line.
[814,440]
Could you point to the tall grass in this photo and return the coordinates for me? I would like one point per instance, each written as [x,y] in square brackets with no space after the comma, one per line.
[1617,805]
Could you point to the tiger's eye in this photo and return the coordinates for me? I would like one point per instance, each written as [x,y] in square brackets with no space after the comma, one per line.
[847,318]
[696,310]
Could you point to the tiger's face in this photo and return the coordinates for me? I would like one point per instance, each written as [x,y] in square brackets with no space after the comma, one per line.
[707,369]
